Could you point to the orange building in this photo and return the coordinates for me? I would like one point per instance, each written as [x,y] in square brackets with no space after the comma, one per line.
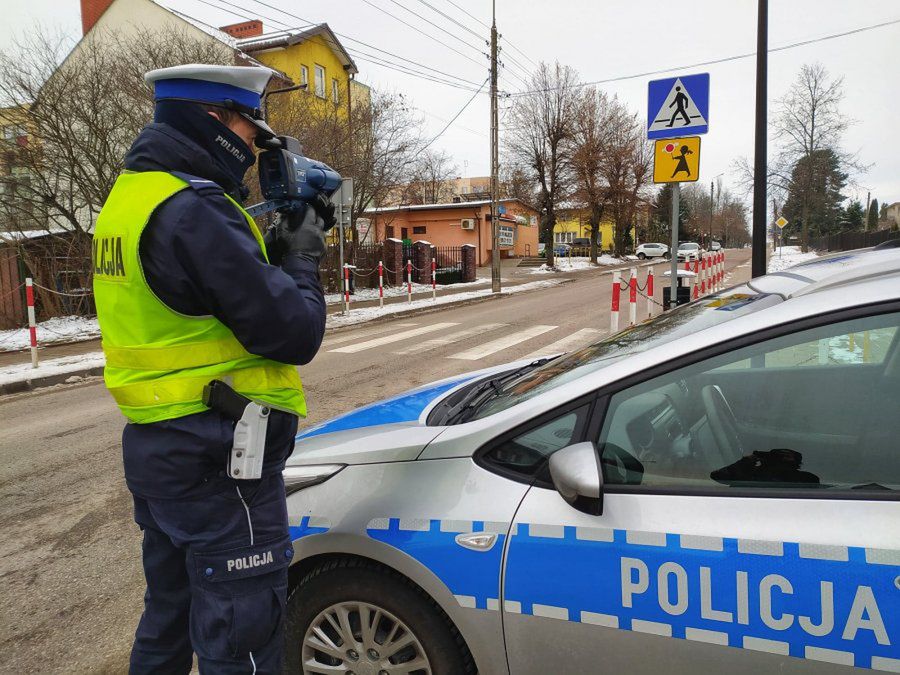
[460,223]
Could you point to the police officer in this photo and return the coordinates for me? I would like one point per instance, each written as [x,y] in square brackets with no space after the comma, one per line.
[186,294]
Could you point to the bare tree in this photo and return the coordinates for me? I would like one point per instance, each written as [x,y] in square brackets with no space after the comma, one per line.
[625,169]
[431,178]
[539,139]
[591,138]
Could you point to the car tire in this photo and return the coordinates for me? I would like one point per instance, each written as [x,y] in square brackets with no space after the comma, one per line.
[642,256]
[354,581]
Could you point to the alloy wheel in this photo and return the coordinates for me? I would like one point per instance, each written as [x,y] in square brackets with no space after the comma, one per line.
[360,638]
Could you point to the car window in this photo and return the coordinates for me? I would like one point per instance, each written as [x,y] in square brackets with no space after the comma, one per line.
[526,453]
[808,410]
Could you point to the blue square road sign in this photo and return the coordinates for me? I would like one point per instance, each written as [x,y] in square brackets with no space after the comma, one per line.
[678,106]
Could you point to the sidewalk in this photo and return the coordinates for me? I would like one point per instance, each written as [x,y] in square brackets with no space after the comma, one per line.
[73,361]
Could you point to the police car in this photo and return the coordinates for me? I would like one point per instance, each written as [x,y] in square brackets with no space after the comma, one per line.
[714,490]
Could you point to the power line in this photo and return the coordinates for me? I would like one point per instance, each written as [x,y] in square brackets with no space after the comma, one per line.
[461,9]
[451,19]
[421,32]
[381,61]
[440,28]
[726,59]
[510,43]
[456,116]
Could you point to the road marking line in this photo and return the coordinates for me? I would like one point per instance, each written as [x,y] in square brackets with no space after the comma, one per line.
[494,346]
[450,338]
[356,335]
[578,338]
[393,337]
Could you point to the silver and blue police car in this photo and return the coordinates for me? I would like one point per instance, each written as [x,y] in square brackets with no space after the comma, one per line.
[715,490]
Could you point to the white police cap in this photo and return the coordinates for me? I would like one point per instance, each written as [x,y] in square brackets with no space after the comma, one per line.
[237,88]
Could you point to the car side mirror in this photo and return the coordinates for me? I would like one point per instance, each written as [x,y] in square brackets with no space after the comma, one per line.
[575,471]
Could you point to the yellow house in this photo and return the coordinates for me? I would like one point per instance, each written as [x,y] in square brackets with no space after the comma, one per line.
[313,57]
[574,225]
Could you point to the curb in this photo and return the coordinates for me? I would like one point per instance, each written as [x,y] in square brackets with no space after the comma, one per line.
[47,381]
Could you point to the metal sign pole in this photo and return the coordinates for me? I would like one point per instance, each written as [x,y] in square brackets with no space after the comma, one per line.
[673,253]
[341,235]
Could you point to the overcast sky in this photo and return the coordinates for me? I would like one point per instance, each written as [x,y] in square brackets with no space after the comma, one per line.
[601,40]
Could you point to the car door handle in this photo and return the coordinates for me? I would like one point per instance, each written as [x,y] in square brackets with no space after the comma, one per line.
[477,541]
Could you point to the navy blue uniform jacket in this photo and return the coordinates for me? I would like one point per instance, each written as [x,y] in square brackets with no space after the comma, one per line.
[200,258]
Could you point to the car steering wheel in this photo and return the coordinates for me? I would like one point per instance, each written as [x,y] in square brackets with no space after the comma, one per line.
[722,422]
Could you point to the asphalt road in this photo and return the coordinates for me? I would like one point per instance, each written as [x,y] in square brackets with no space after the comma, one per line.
[70,554]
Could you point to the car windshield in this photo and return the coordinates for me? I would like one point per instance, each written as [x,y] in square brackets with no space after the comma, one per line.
[689,247]
[666,327]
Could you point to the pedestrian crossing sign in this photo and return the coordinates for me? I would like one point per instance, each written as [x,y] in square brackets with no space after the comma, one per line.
[677,106]
[676,160]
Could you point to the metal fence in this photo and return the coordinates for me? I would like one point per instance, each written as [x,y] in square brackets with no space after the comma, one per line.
[448,261]
[846,241]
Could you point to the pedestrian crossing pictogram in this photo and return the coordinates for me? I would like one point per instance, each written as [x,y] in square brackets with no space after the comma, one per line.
[676,160]
[678,105]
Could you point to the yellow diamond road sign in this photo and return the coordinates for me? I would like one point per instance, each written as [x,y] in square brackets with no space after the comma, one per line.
[781,222]
[676,160]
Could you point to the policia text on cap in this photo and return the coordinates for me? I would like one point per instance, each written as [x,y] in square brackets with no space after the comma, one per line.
[188,293]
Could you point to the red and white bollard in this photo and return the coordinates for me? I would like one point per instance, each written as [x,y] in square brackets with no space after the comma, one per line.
[614,310]
[380,284]
[649,292]
[703,275]
[632,297]
[409,281]
[346,287]
[433,279]
[32,326]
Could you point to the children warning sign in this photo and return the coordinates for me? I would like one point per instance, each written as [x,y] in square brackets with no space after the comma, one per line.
[676,160]
[678,106]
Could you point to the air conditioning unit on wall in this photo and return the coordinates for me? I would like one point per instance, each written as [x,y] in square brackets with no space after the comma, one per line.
[467,223]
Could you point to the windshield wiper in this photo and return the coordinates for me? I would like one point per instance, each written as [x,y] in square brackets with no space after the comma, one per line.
[483,391]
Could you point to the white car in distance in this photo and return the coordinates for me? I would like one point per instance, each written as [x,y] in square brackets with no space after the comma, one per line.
[689,251]
[652,250]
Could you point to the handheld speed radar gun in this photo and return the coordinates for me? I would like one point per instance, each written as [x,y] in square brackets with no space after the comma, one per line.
[288,179]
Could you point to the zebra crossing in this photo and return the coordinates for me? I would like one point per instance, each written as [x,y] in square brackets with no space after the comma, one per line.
[476,342]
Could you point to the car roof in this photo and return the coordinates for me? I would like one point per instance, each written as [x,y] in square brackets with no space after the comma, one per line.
[832,271]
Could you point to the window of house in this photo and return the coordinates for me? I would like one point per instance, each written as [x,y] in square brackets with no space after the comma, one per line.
[304,76]
[419,229]
[813,410]
[563,237]
[320,81]
[389,231]
[334,90]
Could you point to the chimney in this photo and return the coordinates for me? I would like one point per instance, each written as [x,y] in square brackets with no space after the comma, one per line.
[246,29]
[91,11]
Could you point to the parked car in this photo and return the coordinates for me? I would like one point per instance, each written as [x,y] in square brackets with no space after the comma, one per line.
[562,249]
[691,495]
[715,246]
[652,251]
[689,251]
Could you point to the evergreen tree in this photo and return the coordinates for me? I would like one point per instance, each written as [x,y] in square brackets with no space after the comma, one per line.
[872,216]
[854,215]
[816,184]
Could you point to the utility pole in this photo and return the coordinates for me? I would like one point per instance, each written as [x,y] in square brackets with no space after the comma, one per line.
[495,160]
[866,218]
[760,171]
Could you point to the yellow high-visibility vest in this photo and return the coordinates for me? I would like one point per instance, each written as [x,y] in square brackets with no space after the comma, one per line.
[158,360]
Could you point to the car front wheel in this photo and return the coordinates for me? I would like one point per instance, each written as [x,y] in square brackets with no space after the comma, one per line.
[642,255]
[352,616]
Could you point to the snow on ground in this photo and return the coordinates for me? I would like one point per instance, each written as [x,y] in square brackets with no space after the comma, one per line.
[53,331]
[577,264]
[363,294]
[368,313]
[788,256]
[23,372]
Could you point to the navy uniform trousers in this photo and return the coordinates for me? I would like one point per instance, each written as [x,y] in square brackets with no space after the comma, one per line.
[215,558]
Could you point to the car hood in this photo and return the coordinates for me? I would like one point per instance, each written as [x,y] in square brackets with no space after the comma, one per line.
[390,430]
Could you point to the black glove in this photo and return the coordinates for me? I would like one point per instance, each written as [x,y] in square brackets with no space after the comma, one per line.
[325,208]
[274,247]
[302,233]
